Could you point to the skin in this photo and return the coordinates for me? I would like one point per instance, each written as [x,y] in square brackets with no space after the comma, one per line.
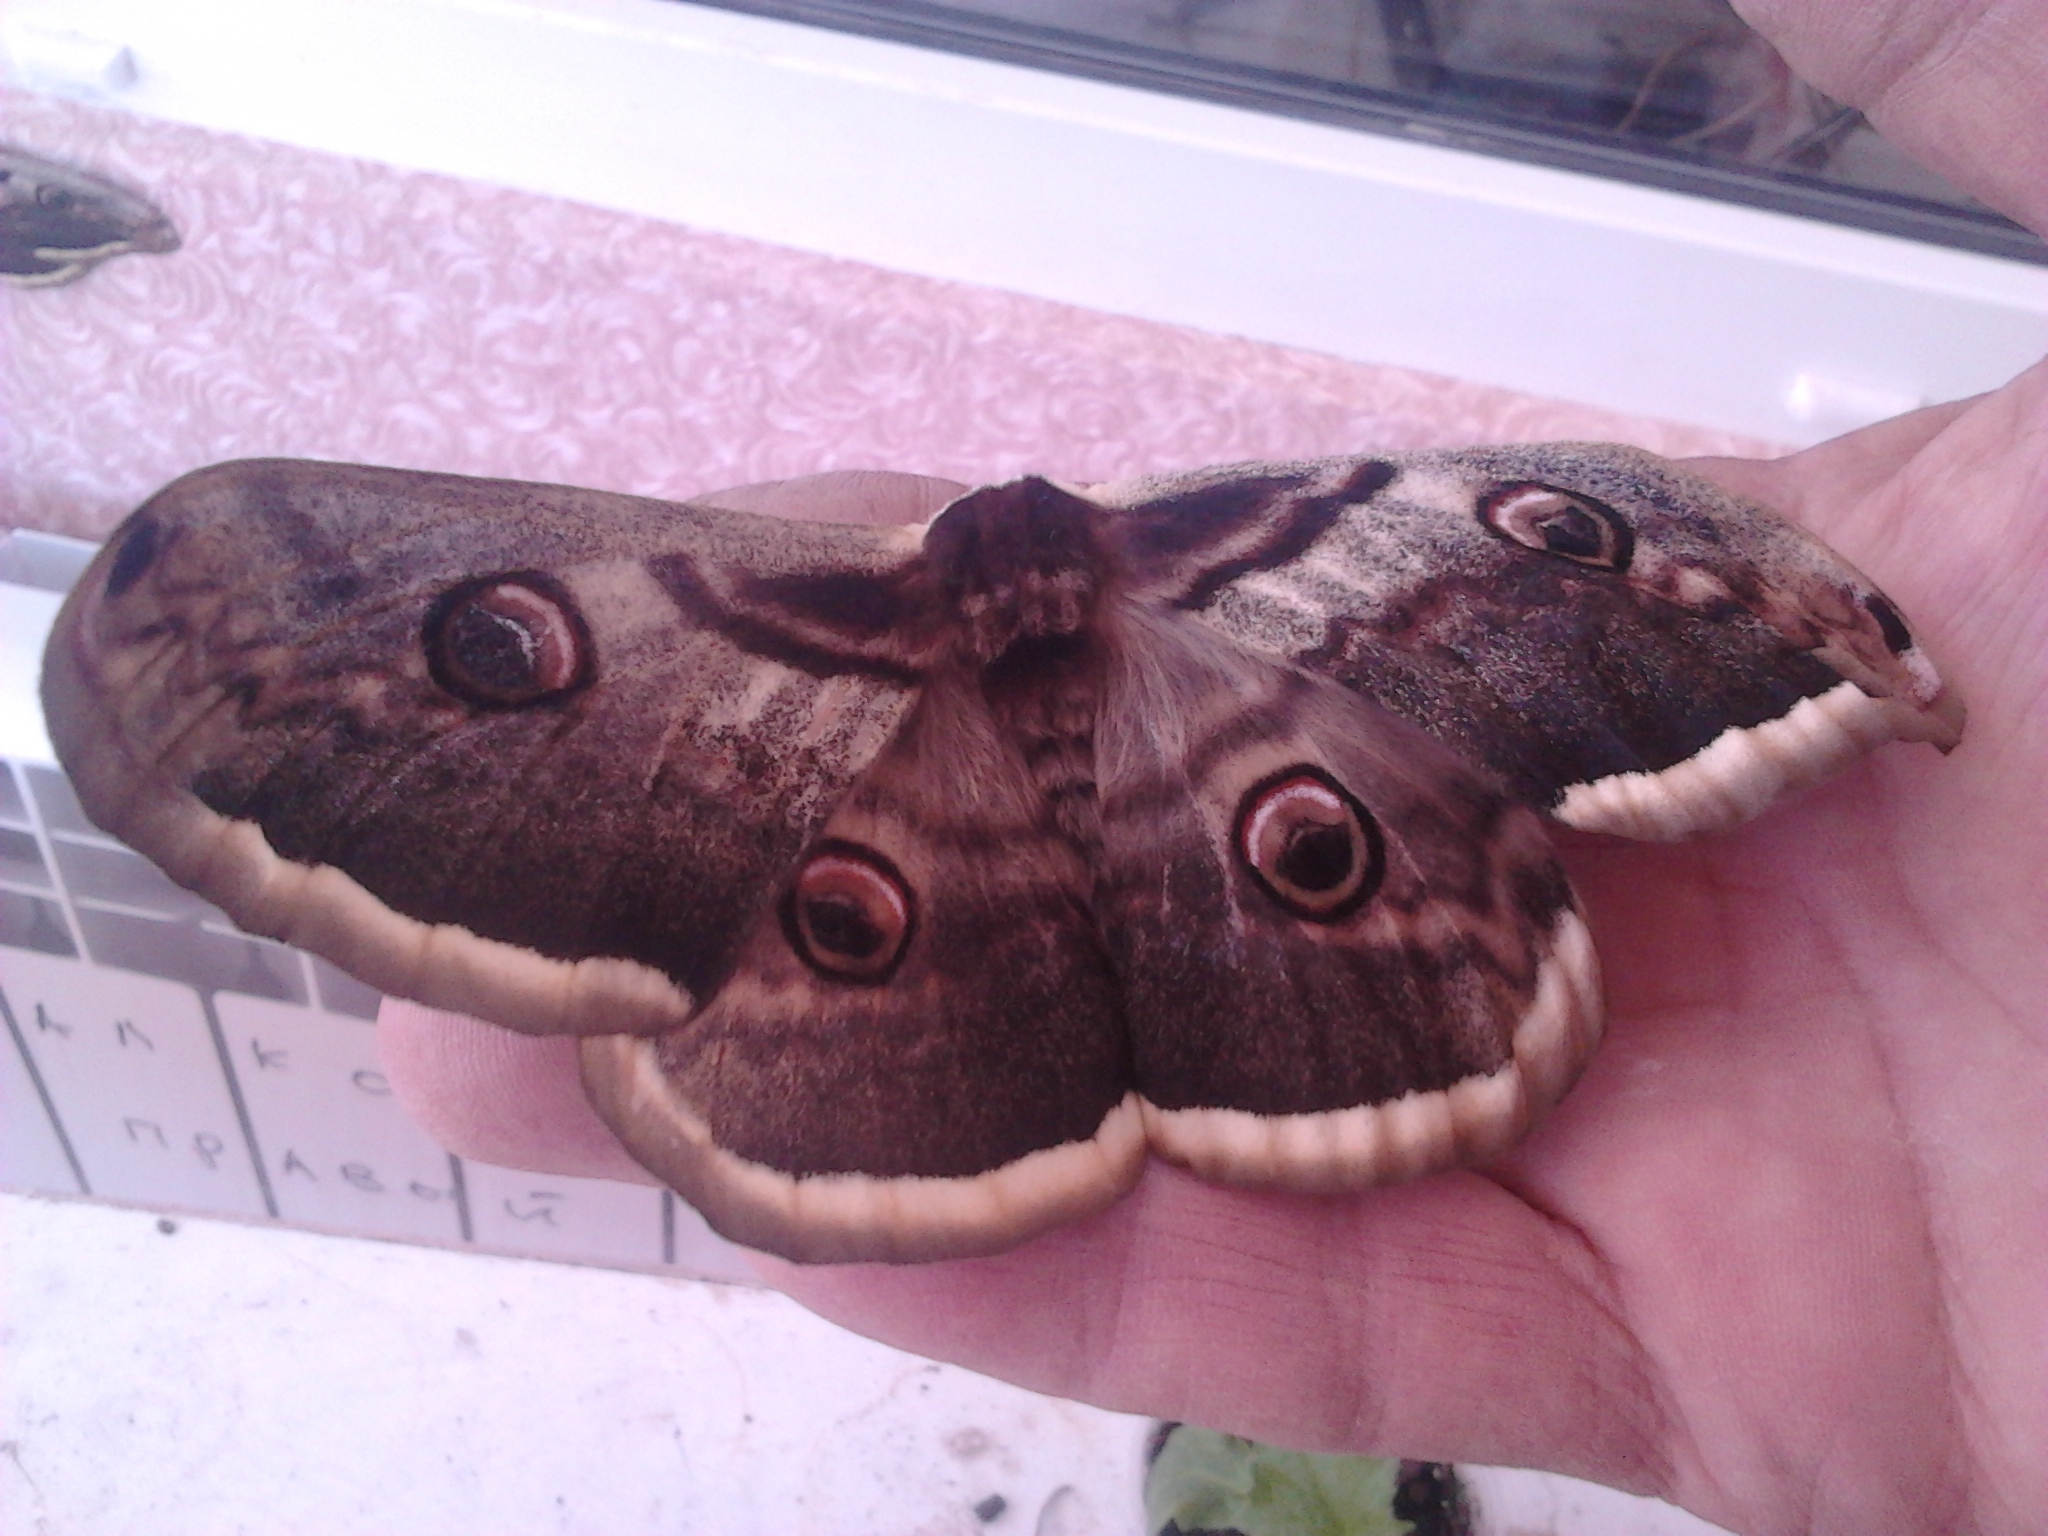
[1782,1256]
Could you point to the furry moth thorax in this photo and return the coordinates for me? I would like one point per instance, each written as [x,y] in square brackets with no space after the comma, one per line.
[910,887]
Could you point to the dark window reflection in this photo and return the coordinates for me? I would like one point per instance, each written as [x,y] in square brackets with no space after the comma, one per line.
[1676,93]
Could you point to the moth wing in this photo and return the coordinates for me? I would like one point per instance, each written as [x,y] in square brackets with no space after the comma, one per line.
[1348,958]
[920,1052]
[1628,647]
[530,752]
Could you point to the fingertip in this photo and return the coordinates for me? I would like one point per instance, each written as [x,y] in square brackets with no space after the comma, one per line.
[877,497]
[496,1096]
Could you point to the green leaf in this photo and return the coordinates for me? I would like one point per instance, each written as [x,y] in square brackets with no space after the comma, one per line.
[1204,1481]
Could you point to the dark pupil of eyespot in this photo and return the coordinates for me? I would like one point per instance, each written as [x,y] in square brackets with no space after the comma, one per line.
[1316,858]
[839,926]
[1890,625]
[137,551]
[1571,531]
[496,652]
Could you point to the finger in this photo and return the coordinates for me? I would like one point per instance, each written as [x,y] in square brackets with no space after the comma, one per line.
[873,496]
[500,1097]
[1827,485]
[1444,1320]
[1958,87]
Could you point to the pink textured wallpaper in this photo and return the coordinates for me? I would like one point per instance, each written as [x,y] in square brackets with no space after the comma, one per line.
[335,308]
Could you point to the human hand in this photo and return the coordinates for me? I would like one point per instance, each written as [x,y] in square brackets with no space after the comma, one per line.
[1781,1256]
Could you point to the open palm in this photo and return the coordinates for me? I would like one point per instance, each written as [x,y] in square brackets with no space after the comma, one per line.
[1782,1255]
